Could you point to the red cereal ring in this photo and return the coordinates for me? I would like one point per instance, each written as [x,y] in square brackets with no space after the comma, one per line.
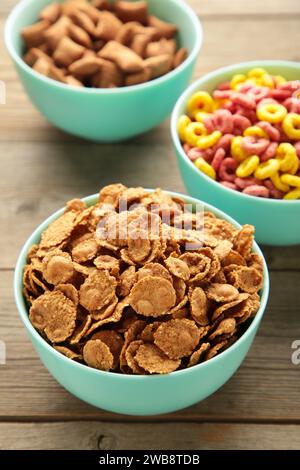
[223,86]
[186,147]
[245,87]
[274,192]
[280,95]
[222,94]
[247,113]
[297,147]
[209,123]
[218,158]
[195,153]
[259,93]
[292,104]
[272,132]
[292,85]
[256,190]
[224,142]
[270,152]
[227,169]
[243,100]
[228,185]
[240,123]
[243,183]
[254,145]
[223,121]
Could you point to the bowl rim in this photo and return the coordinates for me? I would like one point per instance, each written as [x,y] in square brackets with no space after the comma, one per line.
[90,200]
[194,20]
[237,67]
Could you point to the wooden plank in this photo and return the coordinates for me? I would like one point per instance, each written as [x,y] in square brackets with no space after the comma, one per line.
[217,7]
[265,389]
[120,436]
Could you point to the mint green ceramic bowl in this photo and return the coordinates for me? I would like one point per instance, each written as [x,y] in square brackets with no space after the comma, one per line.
[138,395]
[107,115]
[277,222]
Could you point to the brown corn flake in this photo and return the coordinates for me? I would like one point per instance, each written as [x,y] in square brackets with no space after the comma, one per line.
[243,241]
[130,353]
[225,327]
[69,291]
[198,264]
[97,355]
[68,353]
[179,306]
[223,249]
[198,355]
[222,292]
[220,277]
[254,260]
[234,258]
[97,290]
[139,248]
[105,311]
[178,268]
[180,289]
[199,306]
[111,194]
[215,265]
[246,279]
[114,341]
[76,205]
[59,230]
[110,263]
[177,338]
[85,250]
[154,269]
[147,335]
[151,359]
[58,267]
[182,312]
[248,309]
[217,348]
[131,335]
[126,280]
[81,330]
[228,306]
[152,296]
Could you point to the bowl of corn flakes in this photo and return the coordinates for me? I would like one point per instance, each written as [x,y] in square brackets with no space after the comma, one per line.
[140,301]
[236,133]
[97,69]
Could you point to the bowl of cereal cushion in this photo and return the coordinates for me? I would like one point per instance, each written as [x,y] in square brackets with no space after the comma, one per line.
[141,301]
[237,141]
[98,68]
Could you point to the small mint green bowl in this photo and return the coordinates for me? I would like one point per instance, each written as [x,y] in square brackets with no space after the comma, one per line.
[276,222]
[138,395]
[106,115]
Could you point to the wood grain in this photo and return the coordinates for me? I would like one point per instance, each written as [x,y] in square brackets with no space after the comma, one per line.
[265,389]
[134,436]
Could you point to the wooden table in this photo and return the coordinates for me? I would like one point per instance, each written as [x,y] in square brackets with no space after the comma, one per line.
[41,168]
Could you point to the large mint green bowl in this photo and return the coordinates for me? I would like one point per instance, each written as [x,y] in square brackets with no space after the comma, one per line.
[138,395]
[277,222]
[107,115]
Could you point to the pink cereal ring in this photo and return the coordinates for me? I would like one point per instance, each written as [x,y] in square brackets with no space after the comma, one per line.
[243,183]
[224,142]
[222,94]
[223,86]
[280,95]
[272,132]
[229,185]
[247,113]
[209,123]
[274,192]
[245,87]
[195,153]
[186,147]
[243,100]
[297,147]
[292,85]
[240,123]
[268,101]
[258,191]
[223,121]
[292,105]
[270,152]
[254,145]
[218,158]
[259,93]
[227,169]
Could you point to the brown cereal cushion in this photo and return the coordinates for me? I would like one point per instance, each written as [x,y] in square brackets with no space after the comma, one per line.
[221,292]
[114,341]
[178,268]
[198,354]
[58,267]
[246,279]
[97,290]
[199,306]
[152,296]
[151,359]
[97,355]
[177,338]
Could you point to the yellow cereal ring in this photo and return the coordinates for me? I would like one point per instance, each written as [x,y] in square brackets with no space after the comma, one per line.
[237,80]
[254,81]
[193,131]
[182,124]
[201,115]
[287,157]
[291,180]
[237,151]
[267,169]
[208,141]
[278,183]
[247,167]
[294,194]
[257,72]
[280,80]
[271,112]
[205,167]
[267,80]
[291,125]
[200,101]
[256,131]
[218,103]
